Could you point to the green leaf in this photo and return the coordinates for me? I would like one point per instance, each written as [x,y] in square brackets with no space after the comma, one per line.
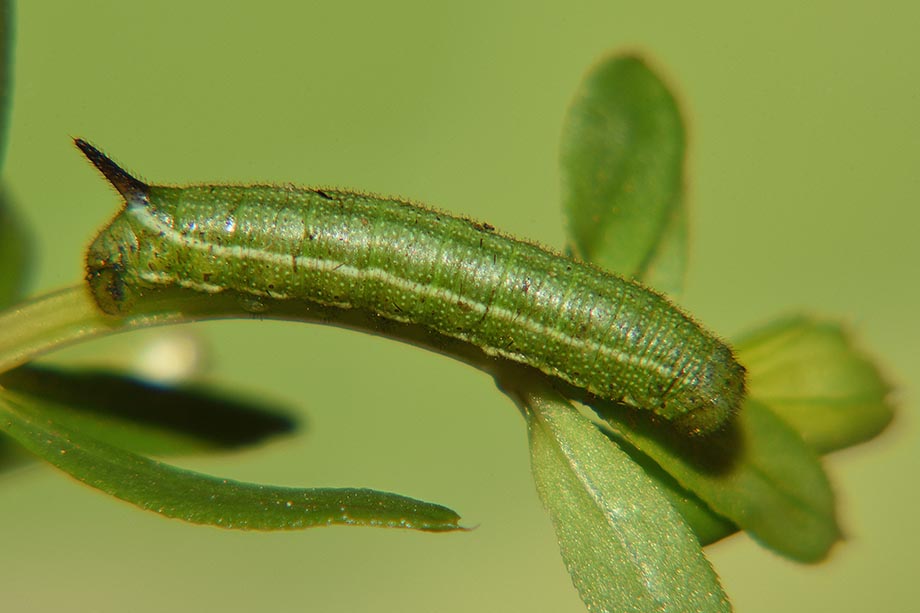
[626,548]
[6,71]
[15,252]
[808,372]
[667,265]
[202,499]
[758,473]
[622,156]
[145,418]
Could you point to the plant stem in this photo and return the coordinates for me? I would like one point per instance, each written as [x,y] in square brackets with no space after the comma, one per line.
[63,317]
[68,316]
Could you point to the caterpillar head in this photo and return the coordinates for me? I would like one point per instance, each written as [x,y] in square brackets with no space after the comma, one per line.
[106,266]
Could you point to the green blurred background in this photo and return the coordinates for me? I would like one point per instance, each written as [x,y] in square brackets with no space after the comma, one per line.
[804,188]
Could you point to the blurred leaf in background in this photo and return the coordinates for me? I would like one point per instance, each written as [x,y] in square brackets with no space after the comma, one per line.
[809,372]
[622,158]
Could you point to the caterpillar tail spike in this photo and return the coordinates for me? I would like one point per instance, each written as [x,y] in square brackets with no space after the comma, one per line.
[129,187]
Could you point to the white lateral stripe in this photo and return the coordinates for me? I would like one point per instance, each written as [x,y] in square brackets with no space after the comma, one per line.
[142,215]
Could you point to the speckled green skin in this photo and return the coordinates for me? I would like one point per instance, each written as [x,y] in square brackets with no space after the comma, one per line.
[609,336]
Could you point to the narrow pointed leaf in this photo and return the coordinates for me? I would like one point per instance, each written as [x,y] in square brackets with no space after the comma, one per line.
[202,499]
[145,418]
[626,548]
[758,473]
[622,156]
[809,373]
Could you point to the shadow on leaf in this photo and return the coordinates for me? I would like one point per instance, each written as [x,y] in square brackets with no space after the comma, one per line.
[708,525]
[715,453]
[147,418]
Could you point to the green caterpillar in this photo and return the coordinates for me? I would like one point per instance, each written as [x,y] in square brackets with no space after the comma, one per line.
[602,333]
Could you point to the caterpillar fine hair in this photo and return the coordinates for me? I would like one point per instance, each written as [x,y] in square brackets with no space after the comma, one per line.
[607,335]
